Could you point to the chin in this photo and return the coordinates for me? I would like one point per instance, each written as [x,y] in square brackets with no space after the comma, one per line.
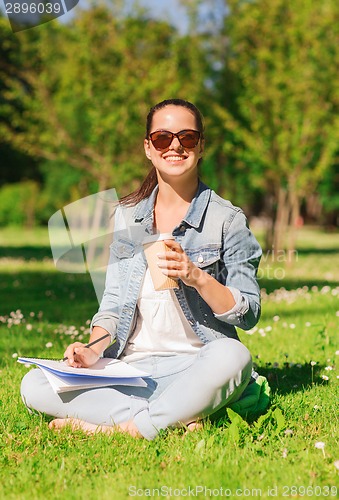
[177,173]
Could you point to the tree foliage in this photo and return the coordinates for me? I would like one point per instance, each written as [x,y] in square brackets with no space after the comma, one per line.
[73,100]
[84,90]
[279,97]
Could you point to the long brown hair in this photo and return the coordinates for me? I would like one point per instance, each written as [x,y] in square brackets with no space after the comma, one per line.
[151,180]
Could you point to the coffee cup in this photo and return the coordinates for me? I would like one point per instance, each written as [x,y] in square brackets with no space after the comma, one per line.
[153,245]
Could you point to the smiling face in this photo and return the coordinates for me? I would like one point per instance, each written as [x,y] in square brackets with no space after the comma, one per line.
[175,161]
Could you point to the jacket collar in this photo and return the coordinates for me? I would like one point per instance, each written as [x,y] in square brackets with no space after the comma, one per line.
[144,210]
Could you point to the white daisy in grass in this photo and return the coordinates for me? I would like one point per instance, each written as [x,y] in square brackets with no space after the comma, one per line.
[320,445]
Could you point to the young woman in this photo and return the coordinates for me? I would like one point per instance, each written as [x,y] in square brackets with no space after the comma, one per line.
[184,338]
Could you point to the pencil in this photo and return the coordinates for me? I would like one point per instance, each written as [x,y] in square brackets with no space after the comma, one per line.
[92,343]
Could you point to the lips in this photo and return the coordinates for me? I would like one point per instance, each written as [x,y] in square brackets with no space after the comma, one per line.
[174,158]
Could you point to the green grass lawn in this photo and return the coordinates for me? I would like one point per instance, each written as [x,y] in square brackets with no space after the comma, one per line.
[295,345]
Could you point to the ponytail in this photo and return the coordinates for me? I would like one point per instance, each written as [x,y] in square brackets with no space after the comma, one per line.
[144,191]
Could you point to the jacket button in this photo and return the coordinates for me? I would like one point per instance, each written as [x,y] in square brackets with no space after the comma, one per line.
[200,259]
[182,228]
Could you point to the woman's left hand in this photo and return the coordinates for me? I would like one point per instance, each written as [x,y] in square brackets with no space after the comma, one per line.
[176,264]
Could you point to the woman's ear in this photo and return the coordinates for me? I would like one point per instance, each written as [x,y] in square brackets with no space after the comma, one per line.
[147,148]
[202,147]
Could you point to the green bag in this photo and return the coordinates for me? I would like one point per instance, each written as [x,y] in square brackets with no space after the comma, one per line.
[254,400]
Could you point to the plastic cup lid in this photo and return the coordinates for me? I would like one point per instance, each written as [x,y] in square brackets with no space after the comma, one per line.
[157,237]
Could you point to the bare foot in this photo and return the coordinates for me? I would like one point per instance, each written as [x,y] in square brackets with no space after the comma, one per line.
[77,424]
[128,427]
[193,426]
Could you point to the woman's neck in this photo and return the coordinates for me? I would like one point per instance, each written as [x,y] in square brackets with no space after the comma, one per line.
[171,205]
[176,194]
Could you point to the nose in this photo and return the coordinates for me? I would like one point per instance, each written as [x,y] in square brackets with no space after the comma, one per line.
[175,144]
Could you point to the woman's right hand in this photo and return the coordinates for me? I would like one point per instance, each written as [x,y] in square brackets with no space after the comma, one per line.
[80,356]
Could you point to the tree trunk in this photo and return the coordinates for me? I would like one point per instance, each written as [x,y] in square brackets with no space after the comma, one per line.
[294,224]
[94,223]
[281,221]
[269,221]
[281,233]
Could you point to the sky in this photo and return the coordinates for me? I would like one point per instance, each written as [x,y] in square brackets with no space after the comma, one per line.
[170,10]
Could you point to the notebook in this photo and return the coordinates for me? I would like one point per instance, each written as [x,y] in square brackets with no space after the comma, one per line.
[104,372]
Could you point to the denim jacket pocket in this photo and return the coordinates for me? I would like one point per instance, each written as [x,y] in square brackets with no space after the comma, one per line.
[123,249]
[123,252]
[206,258]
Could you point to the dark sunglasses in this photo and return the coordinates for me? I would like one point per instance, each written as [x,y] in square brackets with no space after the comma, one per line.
[161,139]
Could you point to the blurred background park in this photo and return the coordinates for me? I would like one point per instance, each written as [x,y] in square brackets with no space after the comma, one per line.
[74,95]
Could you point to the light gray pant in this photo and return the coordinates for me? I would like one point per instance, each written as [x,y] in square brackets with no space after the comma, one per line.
[181,389]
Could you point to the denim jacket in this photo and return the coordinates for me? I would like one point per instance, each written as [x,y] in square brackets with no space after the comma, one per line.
[215,236]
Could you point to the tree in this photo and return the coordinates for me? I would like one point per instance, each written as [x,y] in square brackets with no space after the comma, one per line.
[14,164]
[279,98]
[85,90]
[329,195]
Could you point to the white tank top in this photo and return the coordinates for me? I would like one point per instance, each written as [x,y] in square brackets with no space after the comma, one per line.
[161,328]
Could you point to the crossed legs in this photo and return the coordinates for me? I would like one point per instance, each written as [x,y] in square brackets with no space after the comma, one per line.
[189,388]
